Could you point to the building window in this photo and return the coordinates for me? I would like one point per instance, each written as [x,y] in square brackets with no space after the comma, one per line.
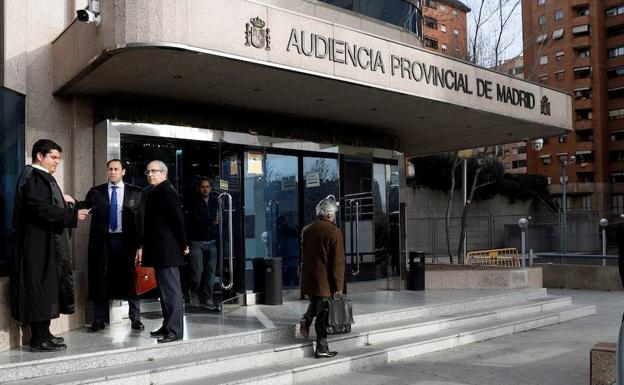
[560,75]
[12,128]
[583,93]
[543,60]
[614,11]
[616,136]
[584,156]
[541,2]
[455,31]
[584,114]
[456,52]
[586,202]
[543,79]
[443,47]
[583,52]
[617,203]
[616,156]
[431,4]
[431,43]
[563,138]
[559,56]
[557,34]
[455,13]
[582,72]
[582,11]
[616,114]
[584,136]
[431,22]
[546,159]
[443,28]
[522,150]
[585,177]
[615,52]
[617,177]
[616,93]
[558,15]
[615,30]
[541,38]
[616,72]
[581,30]
[541,20]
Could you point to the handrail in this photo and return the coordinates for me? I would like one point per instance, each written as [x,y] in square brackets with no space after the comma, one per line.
[355,203]
[231,243]
[273,223]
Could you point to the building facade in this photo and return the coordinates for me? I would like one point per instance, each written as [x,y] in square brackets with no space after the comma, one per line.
[578,46]
[281,102]
[445,29]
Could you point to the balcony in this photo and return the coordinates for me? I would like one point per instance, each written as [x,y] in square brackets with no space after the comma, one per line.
[582,103]
[572,188]
[583,124]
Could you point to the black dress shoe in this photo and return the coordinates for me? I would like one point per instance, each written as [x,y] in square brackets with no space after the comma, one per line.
[48,346]
[160,332]
[137,324]
[96,326]
[325,354]
[55,339]
[168,338]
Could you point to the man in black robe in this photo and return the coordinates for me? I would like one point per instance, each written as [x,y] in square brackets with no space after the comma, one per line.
[114,239]
[41,281]
[164,247]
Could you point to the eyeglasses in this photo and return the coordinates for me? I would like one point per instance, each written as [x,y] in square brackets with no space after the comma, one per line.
[152,171]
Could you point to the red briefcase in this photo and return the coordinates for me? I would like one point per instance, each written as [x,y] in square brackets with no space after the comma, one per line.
[144,279]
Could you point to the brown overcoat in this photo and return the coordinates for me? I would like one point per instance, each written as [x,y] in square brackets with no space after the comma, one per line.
[323,259]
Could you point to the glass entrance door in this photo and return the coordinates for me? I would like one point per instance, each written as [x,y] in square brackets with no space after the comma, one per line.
[369,211]
[271,184]
[188,161]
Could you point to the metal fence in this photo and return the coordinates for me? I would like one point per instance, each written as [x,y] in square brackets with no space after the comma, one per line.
[583,233]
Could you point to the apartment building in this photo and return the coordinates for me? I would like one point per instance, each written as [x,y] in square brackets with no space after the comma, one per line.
[578,46]
[445,28]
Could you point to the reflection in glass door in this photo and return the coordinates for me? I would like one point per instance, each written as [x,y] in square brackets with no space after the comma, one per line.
[386,215]
[320,181]
[272,213]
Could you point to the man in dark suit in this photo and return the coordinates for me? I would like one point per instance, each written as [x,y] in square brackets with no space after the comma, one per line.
[203,228]
[322,271]
[114,239]
[164,244]
[41,283]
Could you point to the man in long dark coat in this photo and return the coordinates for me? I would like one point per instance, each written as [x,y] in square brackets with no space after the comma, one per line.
[322,271]
[114,239]
[164,247]
[41,282]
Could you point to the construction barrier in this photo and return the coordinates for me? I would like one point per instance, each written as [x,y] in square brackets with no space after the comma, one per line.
[496,257]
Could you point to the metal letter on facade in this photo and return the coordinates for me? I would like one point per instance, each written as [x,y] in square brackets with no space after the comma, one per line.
[256,35]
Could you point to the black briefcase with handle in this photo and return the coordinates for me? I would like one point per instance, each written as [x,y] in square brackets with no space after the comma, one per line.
[340,315]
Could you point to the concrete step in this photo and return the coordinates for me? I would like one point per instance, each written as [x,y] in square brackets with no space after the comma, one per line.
[269,356]
[307,370]
[111,358]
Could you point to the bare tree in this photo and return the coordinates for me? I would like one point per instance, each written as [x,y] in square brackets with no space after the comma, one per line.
[449,205]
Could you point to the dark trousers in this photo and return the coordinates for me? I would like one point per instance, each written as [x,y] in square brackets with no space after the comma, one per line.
[39,331]
[203,268]
[318,309]
[171,299]
[115,252]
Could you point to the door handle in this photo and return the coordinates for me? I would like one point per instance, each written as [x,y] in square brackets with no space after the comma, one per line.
[230,243]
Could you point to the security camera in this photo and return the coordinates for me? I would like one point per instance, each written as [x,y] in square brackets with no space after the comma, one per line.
[538,144]
[91,14]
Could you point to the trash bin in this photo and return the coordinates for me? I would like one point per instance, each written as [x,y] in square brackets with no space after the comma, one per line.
[268,279]
[417,271]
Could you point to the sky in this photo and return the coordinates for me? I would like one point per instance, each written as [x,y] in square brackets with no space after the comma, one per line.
[512,33]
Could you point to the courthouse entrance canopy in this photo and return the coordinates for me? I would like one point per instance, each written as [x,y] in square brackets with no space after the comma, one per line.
[242,54]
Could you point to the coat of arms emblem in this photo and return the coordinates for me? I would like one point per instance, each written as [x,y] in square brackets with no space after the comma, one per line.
[545,106]
[256,35]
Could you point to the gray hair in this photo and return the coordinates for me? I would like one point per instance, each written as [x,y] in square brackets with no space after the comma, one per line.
[162,166]
[326,207]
